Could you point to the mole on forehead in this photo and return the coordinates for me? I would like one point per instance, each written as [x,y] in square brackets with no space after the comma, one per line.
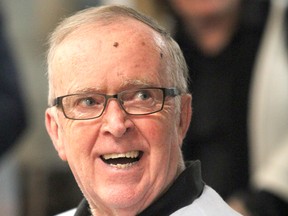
[115,41]
[119,33]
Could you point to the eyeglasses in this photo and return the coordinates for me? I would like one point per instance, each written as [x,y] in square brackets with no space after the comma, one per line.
[141,101]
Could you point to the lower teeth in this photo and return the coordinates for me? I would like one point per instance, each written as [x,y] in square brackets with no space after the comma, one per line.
[122,166]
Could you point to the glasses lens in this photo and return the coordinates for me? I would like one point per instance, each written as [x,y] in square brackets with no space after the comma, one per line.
[135,102]
[142,101]
[83,106]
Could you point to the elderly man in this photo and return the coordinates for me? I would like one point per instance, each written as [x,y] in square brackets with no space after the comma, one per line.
[119,110]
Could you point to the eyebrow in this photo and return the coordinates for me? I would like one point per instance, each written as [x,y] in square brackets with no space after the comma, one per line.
[136,83]
[127,84]
[86,90]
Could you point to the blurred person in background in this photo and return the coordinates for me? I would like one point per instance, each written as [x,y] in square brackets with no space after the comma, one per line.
[12,110]
[237,58]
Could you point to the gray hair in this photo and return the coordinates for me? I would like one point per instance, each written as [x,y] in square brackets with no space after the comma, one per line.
[175,63]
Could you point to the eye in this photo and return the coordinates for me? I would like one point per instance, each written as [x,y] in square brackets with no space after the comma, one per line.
[137,96]
[89,101]
[143,95]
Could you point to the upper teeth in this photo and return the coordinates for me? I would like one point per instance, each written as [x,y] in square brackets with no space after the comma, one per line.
[131,154]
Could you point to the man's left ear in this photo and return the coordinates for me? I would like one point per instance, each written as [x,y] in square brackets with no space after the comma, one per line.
[185,115]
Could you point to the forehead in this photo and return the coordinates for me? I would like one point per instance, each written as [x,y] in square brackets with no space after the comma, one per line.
[126,51]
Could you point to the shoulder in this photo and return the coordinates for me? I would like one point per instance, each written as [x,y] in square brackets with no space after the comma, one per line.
[67,213]
[209,203]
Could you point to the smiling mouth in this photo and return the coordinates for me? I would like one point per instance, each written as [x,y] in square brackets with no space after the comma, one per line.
[123,160]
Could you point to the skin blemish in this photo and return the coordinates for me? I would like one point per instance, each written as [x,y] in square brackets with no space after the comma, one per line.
[116,44]
[161,55]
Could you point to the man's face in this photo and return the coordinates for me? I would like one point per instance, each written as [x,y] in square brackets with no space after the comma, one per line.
[108,60]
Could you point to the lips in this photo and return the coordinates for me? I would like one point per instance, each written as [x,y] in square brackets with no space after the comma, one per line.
[122,160]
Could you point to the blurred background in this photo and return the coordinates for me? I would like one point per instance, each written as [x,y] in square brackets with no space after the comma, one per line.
[33,180]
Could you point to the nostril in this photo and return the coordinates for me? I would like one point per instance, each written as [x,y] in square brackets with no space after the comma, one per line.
[117,126]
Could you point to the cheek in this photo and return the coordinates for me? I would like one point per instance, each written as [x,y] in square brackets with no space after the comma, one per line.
[164,151]
[79,138]
[161,135]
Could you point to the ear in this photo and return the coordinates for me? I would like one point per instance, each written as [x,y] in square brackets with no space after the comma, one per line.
[53,129]
[185,115]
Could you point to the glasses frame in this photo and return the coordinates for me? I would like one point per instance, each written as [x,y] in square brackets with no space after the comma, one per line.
[171,92]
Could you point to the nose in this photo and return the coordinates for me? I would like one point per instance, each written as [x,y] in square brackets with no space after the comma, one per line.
[114,120]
